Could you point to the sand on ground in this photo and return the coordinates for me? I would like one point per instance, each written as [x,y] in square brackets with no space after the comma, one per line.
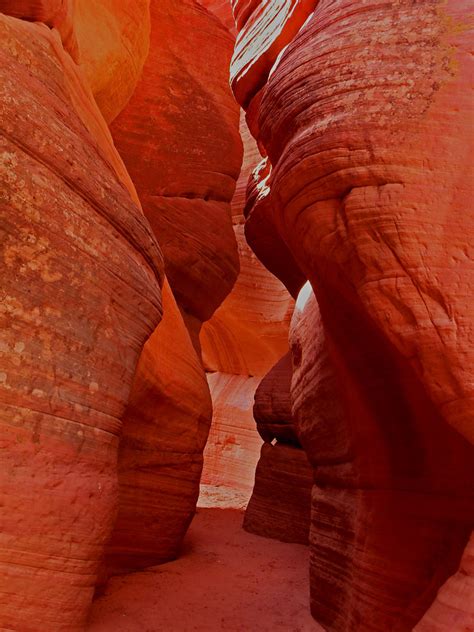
[226,579]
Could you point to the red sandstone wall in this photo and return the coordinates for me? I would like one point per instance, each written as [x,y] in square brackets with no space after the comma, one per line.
[81,293]
[363,111]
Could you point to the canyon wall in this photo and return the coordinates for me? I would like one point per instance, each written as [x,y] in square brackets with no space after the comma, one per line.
[80,295]
[94,391]
[179,138]
[361,113]
[245,337]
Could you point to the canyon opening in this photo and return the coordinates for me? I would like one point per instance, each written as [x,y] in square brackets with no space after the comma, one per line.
[236,384]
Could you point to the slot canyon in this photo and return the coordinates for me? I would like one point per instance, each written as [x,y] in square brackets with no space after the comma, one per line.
[237,307]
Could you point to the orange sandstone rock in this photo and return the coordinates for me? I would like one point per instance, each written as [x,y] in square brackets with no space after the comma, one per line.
[165,427]
[272,410]
[249,331]
[264,29]
[113,38]
[179,139]
[365,121]
[80,295]
[223,10]
[280,504]
[233,448]
[58,14]
[281,499]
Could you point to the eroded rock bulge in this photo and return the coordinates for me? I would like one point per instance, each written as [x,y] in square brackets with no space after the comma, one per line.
[179,139]
[365,119]
[81,293]
[109,39]
[281,499]
[113,39]
[57,14]
[165,427]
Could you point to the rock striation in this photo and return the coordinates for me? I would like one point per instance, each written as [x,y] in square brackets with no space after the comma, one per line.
[165,428]
[280,504]
[179,138]
[80,295]
[57,14]
[233,447]
[361,110]
[113,39]
[184,176]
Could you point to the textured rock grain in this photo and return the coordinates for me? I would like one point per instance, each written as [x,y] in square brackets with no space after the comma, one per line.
[80,296]
[365,120]
[165,427]
[179,139]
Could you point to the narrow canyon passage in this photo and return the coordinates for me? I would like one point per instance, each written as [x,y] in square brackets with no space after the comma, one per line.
[225,579]
[236,316]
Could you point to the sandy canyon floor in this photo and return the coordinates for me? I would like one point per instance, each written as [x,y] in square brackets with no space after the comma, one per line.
[226,579]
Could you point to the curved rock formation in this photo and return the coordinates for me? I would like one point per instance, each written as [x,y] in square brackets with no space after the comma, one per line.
[223,10]
[167,138]
[165,427]
[280,504]
[364,118]
[272,410]
[113,42]
[281,499]
[249,331]
[109,39]
[453,608]
[80,296]
[57,14]
[233,448]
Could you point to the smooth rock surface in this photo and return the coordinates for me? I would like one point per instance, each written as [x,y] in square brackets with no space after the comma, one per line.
[179,138]
[365,120]
[249,331]
[80,295]
[280,505]
[272,409]
[113,41]
[233,447]
[165,427]
[57,14]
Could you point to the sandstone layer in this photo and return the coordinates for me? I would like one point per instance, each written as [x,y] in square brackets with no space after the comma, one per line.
[221,9]
[81,293]
[364,118]
[280,505]
[233,447]
[179,139]
[57,14]
[165,427]
[113,38]
[249,331]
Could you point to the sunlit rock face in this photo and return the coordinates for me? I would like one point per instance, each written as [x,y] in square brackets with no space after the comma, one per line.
[233,447]
[165,427]
[113,39]
[179,138]
[364,118]
[109,39]
[81,294]
[57,14]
